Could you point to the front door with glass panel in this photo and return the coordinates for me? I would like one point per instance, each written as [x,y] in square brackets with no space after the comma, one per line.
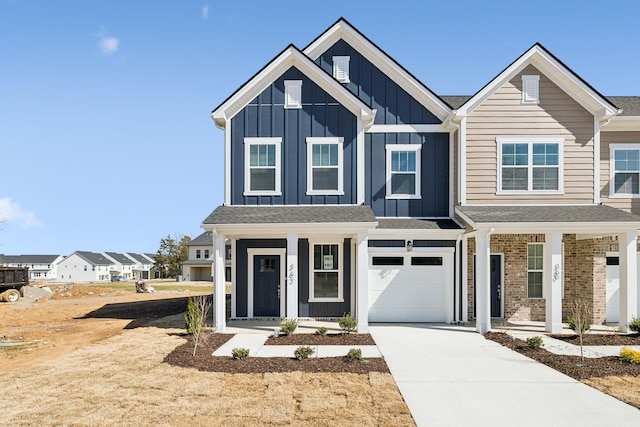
[266,285]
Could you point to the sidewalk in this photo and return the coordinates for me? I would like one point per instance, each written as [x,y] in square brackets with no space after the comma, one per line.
[557,346]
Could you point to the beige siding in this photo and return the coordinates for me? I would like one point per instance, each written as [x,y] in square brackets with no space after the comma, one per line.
[606,139]
[503,115]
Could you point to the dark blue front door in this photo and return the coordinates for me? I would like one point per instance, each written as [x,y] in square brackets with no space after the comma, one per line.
[266,285]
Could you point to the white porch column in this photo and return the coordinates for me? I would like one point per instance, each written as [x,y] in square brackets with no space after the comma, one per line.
[362,283]
[628,279]
[291,293]
[465,279]
[219,296]
[552,282]
[482,284]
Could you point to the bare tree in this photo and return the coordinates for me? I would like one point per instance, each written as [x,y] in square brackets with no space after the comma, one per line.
[196,317]
[580,320]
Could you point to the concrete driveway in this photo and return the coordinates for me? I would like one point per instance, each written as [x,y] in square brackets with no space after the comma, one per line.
[452,376]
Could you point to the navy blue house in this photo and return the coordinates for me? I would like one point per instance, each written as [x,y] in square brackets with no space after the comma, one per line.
[338,190]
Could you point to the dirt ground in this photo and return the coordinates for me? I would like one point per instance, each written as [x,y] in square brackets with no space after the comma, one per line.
[98,360]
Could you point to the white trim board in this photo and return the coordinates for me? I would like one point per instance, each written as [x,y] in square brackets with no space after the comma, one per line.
[251,252]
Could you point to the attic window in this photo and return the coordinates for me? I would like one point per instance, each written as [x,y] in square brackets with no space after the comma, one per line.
[341,68]
[293,94]
[530,92]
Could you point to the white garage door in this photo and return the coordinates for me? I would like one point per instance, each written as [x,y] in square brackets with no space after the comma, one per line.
[408,288]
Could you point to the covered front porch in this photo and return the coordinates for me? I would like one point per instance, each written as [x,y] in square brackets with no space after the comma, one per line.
[547,257]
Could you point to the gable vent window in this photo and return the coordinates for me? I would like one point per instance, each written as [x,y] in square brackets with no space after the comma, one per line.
[530,89]
[341,68]
[293,94]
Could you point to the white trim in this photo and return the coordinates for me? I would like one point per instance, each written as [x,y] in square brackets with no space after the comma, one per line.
[530,141]
[251,252]
[622,124]
[311,141]
[292,94]
[390,148]
[612,169]
[451,173]
[326,241]
[248,142]
[292,275]
[462,165]
[535,270]
[234,285]
[596,160]
[414,128]
[227,166]
[530,82]
[341,63]
[465,279]
[342,30]
[360,150]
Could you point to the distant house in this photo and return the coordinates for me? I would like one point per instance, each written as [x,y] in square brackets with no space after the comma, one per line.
[124,265]
[84,266]
[41,267]
[142,266]
[198,265]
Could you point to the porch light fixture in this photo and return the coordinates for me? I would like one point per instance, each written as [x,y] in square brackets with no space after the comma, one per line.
[409,245]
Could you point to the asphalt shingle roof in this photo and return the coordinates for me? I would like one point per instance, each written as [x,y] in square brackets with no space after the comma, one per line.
[528,214]
[289,214]
[204,239]
[418,224]
[630,104]
[94,258]
[138,257]
[121,258]
[28,259]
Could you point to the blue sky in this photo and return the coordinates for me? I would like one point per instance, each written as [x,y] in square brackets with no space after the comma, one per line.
[106,140]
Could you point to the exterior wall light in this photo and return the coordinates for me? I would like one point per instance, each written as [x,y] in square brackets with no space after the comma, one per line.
[409,245]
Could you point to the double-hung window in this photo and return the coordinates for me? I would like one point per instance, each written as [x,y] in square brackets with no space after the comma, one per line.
[403,171]
[530,165]
[262,166]
[325,283]
[534,270]
[625,170]
[324,166]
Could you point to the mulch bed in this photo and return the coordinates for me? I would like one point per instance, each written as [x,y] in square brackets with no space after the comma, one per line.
[601,339]
[203,361]
[572,366]
[329,339]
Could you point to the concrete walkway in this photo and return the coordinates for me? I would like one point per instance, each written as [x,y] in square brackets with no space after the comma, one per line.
[452,376]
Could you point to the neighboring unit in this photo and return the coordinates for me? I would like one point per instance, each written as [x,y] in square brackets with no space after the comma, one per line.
[124,265]
[41,267]
[199,265]
[84,266]
[350,187]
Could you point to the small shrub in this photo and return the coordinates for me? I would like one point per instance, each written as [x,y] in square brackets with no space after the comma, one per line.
[535,342]
[347,324]
[634,325]
[192,317]
[578,324]
[354,354]
[630,355]
[288,326]
[240,353]
[303,352]
[321,331]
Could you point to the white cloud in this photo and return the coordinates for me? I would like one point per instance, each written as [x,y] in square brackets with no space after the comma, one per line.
[205,12]
[11,211]
[107,44]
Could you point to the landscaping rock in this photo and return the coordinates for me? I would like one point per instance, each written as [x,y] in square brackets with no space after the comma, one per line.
[35,292]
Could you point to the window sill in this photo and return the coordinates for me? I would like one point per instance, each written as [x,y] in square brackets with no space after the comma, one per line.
[325,193]
[403,196]
[535,299]
[530,193]
[326,299]
[262,193]
[624,196]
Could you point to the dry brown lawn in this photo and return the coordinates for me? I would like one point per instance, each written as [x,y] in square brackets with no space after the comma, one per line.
[122,381]
[625,388]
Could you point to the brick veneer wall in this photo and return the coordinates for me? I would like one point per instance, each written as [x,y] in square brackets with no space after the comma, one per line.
[585,275]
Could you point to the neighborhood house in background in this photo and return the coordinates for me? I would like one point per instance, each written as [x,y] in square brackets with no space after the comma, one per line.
[350,187]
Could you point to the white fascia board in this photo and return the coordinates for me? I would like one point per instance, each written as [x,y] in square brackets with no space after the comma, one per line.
[414,128]
[342,30]
[291,57]
[280,229]
[411,234]
[621,124]
[556,72]
[465,218]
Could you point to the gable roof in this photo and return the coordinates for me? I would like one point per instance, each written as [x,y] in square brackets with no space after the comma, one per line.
[538,56]
[120,258]
[93,258]
[137,257]
[28,259]
[204,239]
[290,56]
[342,29]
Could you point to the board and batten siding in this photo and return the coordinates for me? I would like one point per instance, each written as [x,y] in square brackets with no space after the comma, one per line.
[320,116]
[393,104]
[606,139]
[504,115]
[434,175]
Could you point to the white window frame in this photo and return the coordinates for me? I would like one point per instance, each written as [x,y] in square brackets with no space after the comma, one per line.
[341,68]
[612,170]
[311,141]
[248,142]
[530,89]
[293,94]
[535,271]
[312,270]
[390,148]
[530,141]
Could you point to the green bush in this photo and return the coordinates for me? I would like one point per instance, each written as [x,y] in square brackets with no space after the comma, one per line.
[347,324]
[321,331]
[288,326]
[193,317]
[303,352]
[354,354]
[630,355]
[634,325]
[535,342]
[240,353]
